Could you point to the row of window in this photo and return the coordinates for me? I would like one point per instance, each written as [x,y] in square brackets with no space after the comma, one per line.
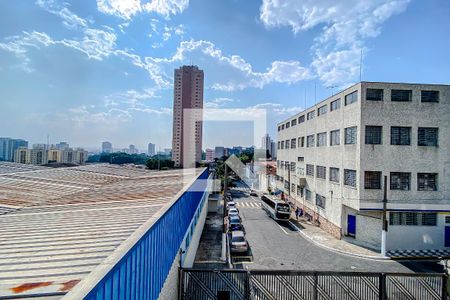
[426,136]
[334,105]
[397,95]
[372,179]
[413,218]
[401,181]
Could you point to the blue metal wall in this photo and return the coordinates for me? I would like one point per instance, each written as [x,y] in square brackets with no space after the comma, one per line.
[141,273]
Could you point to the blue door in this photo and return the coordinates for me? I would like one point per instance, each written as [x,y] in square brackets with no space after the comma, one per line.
[351,225]
[447,236]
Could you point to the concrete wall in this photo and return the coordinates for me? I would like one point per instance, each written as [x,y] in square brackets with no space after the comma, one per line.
[368,230]
[427,237]
[340,156]
[412,158]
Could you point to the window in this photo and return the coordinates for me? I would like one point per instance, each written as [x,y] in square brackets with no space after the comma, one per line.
[278,145]
[288,124]
[303,141]
[429,96]
[322,110]
[351,98]
[374,94]
[293,143]
[350,177]
[401,95]
[293,166]
[299,191]
[372,180]
[373,135]
[310,141]
[335,137]
[350,135]
[400,181]
[427,136]
[427,181]
[310,115]
[301,158]
[282,144]
[320,201]
[282,127]
[287,144]
[400,135]
[301,119]
[335,105]
[308,195]
[321,139]
[310,170]
[413,218]
[279,128]
[294,122]
[321,172]
[292,187]
[334,174]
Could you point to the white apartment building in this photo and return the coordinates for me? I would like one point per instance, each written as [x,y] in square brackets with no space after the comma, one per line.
[332,159]
[40,156]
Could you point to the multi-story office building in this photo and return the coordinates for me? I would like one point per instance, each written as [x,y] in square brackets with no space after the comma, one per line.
[268,144]
[209,155]
[273,150]
[22,155]
[107,147]
[54,155]
[38,156]
[334,156]
[9,146]
[219,152]
[62,146]
[187,127]
[151,149]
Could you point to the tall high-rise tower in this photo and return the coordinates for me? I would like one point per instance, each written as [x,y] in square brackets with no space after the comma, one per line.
[187,135]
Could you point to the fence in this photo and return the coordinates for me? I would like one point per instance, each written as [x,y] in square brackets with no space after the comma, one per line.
[141,272]
[283,285]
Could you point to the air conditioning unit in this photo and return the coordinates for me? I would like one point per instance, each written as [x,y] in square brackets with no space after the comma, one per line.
[302,182]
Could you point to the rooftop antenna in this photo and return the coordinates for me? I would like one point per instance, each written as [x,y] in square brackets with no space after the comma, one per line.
[360,65]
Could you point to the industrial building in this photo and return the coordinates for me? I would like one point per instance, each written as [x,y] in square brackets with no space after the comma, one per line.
[97,231]
[333,158]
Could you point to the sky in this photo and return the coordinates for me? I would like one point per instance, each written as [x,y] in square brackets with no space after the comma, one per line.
[91,71]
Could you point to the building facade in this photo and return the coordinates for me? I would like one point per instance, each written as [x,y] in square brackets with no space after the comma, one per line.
[209,155]
[333,159]
[219,152]
[151,149]
[107,147]
[8,147]
[188,94]
[40,156]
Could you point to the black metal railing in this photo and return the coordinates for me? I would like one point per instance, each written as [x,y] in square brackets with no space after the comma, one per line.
[284,284]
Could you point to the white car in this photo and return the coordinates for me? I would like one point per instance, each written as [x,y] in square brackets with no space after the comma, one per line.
[238,242]
[233,212]
[231,204]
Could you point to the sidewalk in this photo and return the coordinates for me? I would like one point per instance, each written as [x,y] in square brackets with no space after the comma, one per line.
[209,251]
[323,239]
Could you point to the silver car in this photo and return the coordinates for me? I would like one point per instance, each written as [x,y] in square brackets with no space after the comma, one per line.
[238,242]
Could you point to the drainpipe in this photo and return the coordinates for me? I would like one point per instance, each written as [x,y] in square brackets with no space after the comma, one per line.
[384,219]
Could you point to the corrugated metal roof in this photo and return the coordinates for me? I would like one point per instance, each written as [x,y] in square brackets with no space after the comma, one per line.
[58,225]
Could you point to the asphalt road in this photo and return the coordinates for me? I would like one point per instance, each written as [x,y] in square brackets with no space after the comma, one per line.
[275,245]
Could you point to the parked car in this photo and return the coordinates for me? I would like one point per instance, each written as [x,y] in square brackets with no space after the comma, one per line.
[238,242]
[233,211]
[237,227]
[253,193]
[231,204]
[233,220]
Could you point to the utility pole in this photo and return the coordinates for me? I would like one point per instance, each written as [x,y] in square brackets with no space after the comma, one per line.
[289,180]
[384,219]
[225,188]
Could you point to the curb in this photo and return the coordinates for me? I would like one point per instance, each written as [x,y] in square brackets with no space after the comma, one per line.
[381,258]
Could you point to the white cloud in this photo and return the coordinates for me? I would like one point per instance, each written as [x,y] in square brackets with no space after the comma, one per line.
[148,110]
[82,116]
[70,19]
[218,102]
[278,109]
[130,98]
[126,9]
[345,26]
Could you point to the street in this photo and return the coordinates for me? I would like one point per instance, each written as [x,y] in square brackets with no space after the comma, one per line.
[278,245]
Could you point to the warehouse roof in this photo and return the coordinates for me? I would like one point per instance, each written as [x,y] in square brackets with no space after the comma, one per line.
[58,225]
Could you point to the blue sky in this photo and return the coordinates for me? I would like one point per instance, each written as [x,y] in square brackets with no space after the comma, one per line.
[89,71]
